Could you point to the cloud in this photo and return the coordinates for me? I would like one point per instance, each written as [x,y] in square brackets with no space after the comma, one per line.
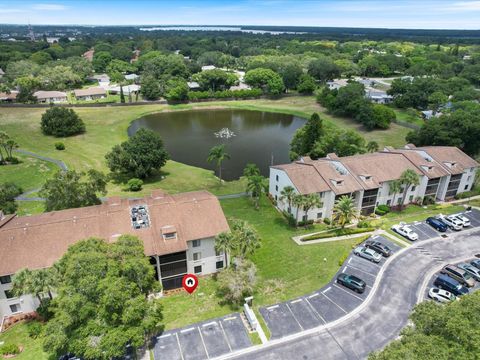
[463,6]
[11,11]
[50,7]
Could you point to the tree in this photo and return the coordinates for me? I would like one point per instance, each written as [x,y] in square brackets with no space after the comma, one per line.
[225,242]
[305,138]
[340,142]
[101,59]
[101,304]
[306,85]
[218,154]
[310,201]
[237,282]
[323,69]
[372,146]
[122,96]
[58,77]
[344,211]
[449,331]
[287,194]
[240,242]
[7,144]
[150,88]
[382,117]
[140,155]
[395,187]
[266,79]
[36,282]
[251,170]
[437,99]
[176,90]
[8,193]
[257,186]
[41,57]
[215,79]
[59,122]
[26,87]
[67,189]
[408,178]
[298,201]
[291,74]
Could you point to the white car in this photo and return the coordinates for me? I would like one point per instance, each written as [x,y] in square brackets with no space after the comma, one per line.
[405,231]
[368,254]
[441,295]
[465,221]
[452,222]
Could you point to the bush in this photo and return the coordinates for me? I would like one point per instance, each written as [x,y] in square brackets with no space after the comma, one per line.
[290,219]
[466,194]
[34,329]
[135,184]
[235,94]
[363,224]
[44,310]
[60,122]
[9,349]
[379,212]
[342,259]
[428,200]
[384,208]
[59,145]
[305,223]
[327,221]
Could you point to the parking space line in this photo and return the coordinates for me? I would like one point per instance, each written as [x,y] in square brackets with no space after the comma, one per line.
[179,346]
[344,269]
[366,272]
[164,336]
[348,292]
[295,301]
[187,330]
[230,318]
[334,303]
[203,342]
[374,236]
[349,260]
[315,311]
[225,336]
[210,323]
[313,295]
[291,312]
[270,308]
[326,290]
[371,262]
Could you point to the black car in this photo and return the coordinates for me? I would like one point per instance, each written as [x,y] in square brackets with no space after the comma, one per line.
[379,247]
[352,282]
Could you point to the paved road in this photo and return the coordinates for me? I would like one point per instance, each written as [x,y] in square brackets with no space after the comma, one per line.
[384,316]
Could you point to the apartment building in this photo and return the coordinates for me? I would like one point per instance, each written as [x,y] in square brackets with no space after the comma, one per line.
[443,172]
[178,232]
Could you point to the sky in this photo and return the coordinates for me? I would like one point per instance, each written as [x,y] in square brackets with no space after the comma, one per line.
[419,14]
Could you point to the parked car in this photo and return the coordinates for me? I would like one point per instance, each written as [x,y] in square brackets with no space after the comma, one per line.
[379,247]
[458,274]
[440,295]
[465,221]
[368,254]
[405,231]
[452,222]
[445,282]
[352,282]
[475,263]
[436,224]
[472,270]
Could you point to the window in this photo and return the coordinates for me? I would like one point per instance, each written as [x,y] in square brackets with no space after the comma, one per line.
[15,308]
[196,243]
[197,256]
[170,236]
[400,201]
[410,199]
[276,177]
[9,294]
[276,187]
[469,178]
[197,269]
[466,187]
[218,252]
[7,279]
[219,265]
[389,202]
[413,188]
[319,215]
[305,218]
[276,198]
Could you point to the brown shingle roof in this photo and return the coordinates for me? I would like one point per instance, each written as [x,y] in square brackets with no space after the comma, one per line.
[431,169]
[304,177]
[38,241]
[49,94]
[446,155]
[339,181]
[11,96]
[90,91]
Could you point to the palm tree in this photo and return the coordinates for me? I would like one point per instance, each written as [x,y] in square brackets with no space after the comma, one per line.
[310,201]
[344,211]
[256,186]
[218,154]
[408,179]
[395,188]
[246,238]
[3,140]
[287,194]
[34,282]
[372,146]
[251,170]
[297,201]
[224,242]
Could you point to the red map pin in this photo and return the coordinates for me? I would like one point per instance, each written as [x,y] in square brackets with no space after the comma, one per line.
[190,283]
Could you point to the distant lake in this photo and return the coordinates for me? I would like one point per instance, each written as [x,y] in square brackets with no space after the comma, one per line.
[259,137]
[216,28]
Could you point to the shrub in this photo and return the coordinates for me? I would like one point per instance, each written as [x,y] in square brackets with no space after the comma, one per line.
[379,212]
[384,208]
[235,94]
[290,219]
[59,145]
[44,310]
[9,349]
[305,223]
[342,259]
[135,184]
[12,160]
[337,232]
[363,224]
[60,122]
[428,200]
[466,194]
[34,329]
[327,221]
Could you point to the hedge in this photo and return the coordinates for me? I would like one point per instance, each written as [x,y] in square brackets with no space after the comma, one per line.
[337,232]
[236,94]
[466,194]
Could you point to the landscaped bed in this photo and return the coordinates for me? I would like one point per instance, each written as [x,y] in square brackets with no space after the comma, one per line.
[337,232]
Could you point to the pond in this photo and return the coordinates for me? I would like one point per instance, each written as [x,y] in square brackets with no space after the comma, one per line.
[249,136]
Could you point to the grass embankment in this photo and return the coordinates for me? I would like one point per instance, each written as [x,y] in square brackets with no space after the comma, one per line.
[107,126]
[285,270]
[337,232]
[32,348]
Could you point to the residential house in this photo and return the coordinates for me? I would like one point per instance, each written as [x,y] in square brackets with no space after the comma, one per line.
[132,77]
[193,85]
[378,96]
[208,67]
[89,54]
[93,93]
[50,96]
[429,114]
[178,232]
[443,172]
[103,80]
[127,89]
[8,97]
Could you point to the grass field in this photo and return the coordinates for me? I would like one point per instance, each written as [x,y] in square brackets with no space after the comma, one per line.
[404,116]
[107,126]
[32,348]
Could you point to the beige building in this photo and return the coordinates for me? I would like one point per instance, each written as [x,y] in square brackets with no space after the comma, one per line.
[50,96]
[92,93]
[178,232]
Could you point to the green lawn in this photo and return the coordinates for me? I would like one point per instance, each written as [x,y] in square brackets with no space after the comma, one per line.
[32,348]
[29,174]
[285,269]
[404,116]
[107,126]
[30,207]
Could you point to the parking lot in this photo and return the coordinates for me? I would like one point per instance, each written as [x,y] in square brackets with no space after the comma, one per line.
[327,304]
[426,232]
[430,282]
[203,340]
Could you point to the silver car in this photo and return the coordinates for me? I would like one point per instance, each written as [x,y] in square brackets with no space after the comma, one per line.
[472,270]
[440,295]
[452,222]
[368,254]
[465,221]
